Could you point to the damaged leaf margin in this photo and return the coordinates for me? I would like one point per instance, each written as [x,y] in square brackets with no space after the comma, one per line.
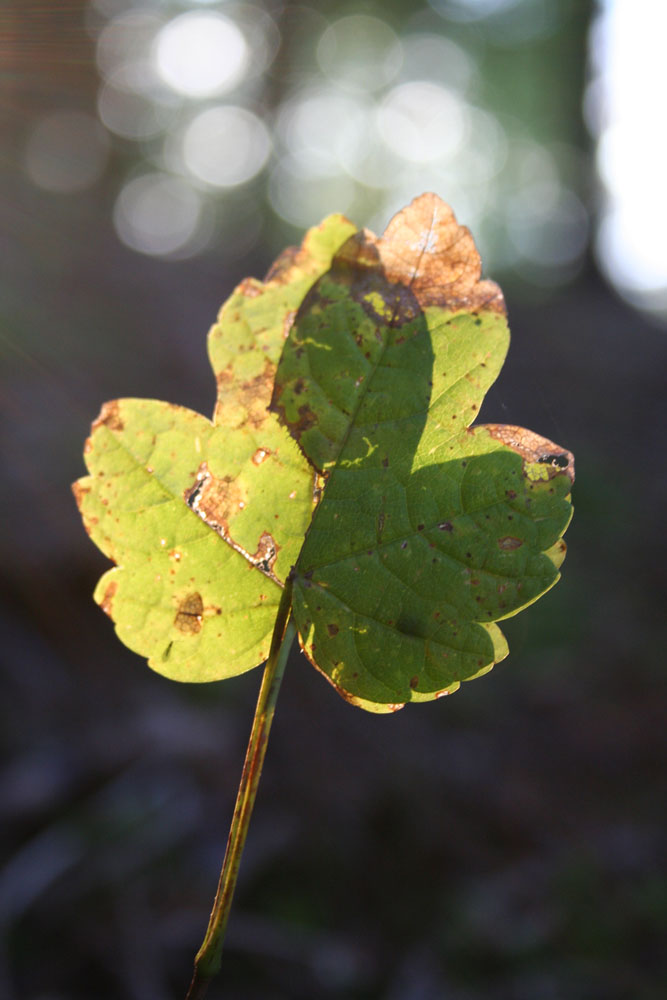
[428,531]
[167,487]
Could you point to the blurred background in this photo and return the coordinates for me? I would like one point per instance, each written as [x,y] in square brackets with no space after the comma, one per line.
[504,844]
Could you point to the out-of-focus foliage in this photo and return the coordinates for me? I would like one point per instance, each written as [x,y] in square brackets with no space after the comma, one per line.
[224,118]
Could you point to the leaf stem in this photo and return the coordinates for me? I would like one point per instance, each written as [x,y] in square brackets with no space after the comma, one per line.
[207,960]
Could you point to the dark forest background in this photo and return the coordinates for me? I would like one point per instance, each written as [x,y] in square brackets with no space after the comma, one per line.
[504,844]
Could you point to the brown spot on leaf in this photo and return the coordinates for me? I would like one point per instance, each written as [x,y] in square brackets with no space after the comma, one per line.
[278,273]
[260,455]
[189,615]
[266,554]
[249,399]
[307,419]
[110,417]
[107,601]
[509,542]
[214,499]
[89,523]
[414,681]
[250,288]
[333,630]
[79,492]
[288,322]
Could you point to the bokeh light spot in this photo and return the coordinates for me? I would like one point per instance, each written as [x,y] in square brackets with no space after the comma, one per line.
[548,225]
[434,58]
[422,122]
[369,161]
[318,128]
[360,53]
[123,46]
[225,146]
[157,214]
[66,151]
[301,198]
[262,38]
[472,10]
[627,49]
[130,114]
[200,53]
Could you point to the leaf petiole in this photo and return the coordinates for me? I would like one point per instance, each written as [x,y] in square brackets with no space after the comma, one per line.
[207,960]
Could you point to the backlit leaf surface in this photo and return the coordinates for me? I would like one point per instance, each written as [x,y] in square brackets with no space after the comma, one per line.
[427,532]
[204,520]
[347,383]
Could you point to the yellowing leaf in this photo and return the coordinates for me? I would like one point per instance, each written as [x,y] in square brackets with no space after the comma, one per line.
[204,520]
[245,344]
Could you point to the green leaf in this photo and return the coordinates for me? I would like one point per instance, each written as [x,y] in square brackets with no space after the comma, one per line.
[427,532]
[245,344]
[347,384]
[202,534]
[204,520]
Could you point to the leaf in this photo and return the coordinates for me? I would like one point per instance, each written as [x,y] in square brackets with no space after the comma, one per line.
[346,386]
[427,532]
[204,520]
[245,344]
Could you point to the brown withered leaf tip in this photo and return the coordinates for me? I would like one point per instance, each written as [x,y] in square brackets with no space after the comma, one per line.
[426,249]
[534,448]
